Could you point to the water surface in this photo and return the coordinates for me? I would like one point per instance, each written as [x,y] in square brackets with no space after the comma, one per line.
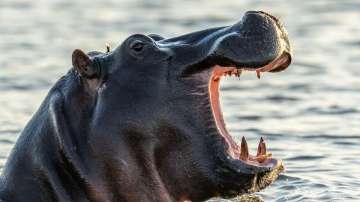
[309,114]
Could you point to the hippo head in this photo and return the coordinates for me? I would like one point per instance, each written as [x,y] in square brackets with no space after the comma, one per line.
[156,126]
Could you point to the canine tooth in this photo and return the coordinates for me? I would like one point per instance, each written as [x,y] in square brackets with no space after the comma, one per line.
[260,150]
[263,148]
[244,155]
[107,47]
[239,71]
[258,74]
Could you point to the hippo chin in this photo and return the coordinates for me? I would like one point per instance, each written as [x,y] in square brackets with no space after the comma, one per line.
[143,122]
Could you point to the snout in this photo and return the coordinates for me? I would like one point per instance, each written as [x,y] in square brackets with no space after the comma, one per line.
[257,40]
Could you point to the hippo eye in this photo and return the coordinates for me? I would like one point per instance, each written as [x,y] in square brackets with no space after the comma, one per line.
[137,46]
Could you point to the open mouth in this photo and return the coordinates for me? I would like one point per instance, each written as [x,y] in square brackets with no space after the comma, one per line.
[263,158]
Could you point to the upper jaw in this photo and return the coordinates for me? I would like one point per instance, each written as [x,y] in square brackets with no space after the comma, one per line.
[256,41]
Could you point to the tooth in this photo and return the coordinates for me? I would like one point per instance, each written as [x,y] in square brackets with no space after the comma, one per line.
[239,73]
[244,155]
[235,72]
[263,148]
[259,147]
[107,47]
[258,74]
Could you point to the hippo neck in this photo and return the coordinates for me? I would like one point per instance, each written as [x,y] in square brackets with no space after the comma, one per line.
[58,164]
[48,154]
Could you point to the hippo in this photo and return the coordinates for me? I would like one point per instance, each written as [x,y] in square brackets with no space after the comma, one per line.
[142,122]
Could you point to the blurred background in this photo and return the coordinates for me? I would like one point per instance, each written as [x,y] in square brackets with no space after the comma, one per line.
[309,114]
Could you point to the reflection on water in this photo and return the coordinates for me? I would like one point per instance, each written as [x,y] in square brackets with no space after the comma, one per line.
[309,114]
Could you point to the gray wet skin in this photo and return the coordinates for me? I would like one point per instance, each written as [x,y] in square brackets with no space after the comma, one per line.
[135,123]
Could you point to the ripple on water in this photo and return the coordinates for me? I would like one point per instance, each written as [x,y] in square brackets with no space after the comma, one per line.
[249,117]
[331,110]
[6,141]
[305,158]
[346,143]
[309,113]
[281,98]
[329,137]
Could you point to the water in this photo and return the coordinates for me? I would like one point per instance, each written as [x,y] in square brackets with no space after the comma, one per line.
[309,114]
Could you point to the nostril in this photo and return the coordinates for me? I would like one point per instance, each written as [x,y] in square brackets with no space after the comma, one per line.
[252,12]
[259,13]
[262,13]
[269,15]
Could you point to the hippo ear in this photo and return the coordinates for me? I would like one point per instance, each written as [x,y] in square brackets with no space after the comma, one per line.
[86,68]
[82,63]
